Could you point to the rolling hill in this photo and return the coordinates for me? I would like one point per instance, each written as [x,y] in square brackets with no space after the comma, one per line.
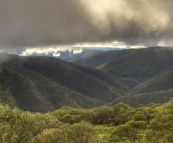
[33,92]
[137,76]
[137,64]
[151,67]
[135,100]
[45,83]
[99,58]
[161,82]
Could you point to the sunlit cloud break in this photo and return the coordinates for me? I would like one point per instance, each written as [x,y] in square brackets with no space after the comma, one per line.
[162,43]
[138,46]
[50,51]
[55,51]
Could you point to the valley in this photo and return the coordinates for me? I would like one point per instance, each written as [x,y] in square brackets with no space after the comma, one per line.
[135,76]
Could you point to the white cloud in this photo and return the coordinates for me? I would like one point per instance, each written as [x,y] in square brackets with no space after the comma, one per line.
[138,46]
[162,43]
[53,50]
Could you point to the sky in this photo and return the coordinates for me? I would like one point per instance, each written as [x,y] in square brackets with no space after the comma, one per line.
[46,23]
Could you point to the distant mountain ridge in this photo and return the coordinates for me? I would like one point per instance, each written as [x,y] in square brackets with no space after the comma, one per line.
[138,64]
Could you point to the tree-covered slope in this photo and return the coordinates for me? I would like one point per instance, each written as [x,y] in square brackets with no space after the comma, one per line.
[145,98]
[121,83]
[70,77]
[142,64]
[161,82]
[44,83]
[138,64]
[33,92]
[100,58]
[158,89]
[151,69]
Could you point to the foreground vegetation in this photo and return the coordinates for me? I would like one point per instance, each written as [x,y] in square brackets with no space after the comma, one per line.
[106,124]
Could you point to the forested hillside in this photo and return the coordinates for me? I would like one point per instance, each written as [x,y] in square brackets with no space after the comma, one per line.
[161,82]
[138,64]
[45,84]
[151,69]
[142,64]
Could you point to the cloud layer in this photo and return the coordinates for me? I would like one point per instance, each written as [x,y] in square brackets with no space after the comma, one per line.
[32,23]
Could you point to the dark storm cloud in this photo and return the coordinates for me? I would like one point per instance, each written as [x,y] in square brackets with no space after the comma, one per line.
[41,22]
[30,23]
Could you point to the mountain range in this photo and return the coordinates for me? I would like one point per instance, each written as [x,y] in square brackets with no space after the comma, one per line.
[151,67]
[41,84]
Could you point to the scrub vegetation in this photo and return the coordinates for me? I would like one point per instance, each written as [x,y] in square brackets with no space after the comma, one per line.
[105,124]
